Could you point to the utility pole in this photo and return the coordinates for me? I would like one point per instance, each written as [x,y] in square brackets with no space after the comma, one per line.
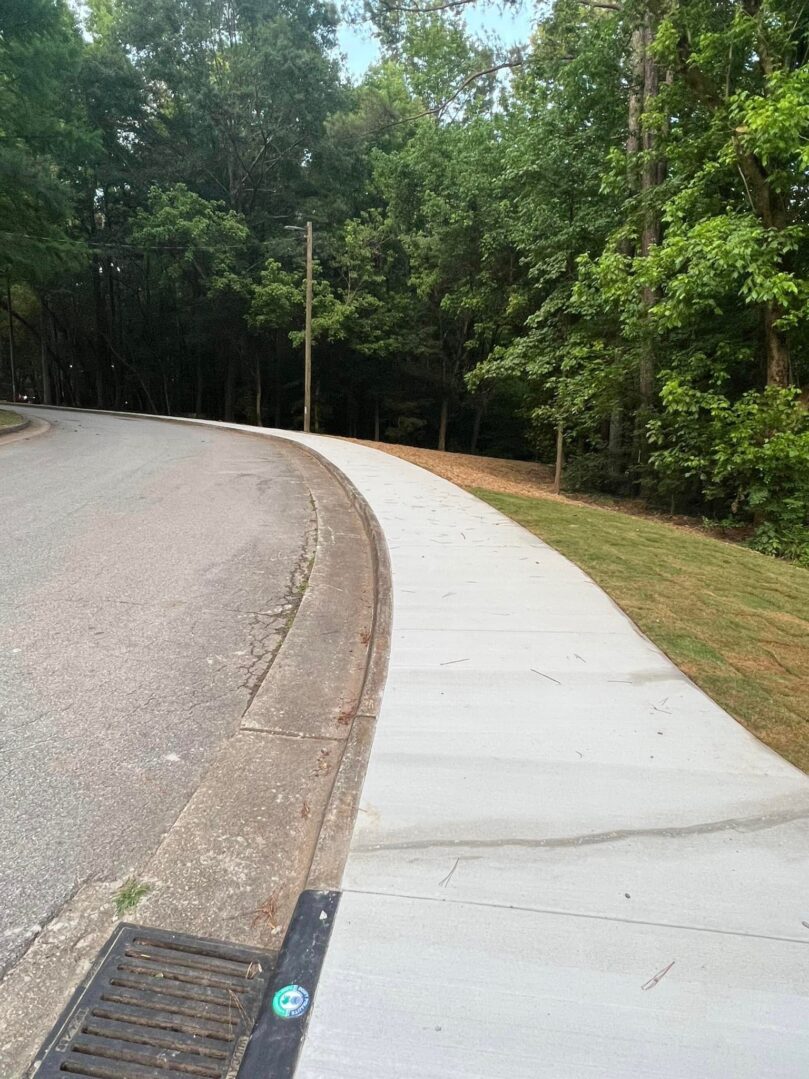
[307,375]
[11,340]
[307,348]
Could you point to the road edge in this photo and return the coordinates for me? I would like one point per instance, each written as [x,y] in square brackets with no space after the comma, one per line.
[20,432]
[343,806]
[76,929]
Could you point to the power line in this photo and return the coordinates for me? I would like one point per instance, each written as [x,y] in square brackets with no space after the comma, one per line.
[115,245]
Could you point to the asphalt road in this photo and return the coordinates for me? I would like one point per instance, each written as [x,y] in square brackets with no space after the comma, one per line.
[146,576]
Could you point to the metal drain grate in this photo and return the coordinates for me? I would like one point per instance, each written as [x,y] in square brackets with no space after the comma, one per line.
[159,1004]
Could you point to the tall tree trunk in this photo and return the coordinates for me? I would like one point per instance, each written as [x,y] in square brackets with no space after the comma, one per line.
[650,177]
[230,386]
[43,358]
[778,367]
[377,437]
[615,444]
[278,380]
[12,359]
[560,458]
[773,213]
[473,444]
[442,424]
[635,108]
[102,341]
[198,392]
[258,390]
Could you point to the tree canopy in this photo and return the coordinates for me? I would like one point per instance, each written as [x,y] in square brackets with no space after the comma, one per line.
[604,233]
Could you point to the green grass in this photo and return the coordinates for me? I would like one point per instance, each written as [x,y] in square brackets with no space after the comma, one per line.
[8,419]
[129,895]
[735,621]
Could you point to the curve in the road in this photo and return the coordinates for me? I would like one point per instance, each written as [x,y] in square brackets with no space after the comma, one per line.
[148,572]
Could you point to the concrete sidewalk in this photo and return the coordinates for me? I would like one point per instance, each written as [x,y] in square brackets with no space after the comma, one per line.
[568,860]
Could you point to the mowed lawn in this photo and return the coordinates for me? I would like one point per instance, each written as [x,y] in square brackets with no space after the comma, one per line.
[735,621]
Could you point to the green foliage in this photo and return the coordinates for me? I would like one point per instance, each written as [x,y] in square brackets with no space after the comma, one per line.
[607,230]
[749,458]
[42,132]
[276,298]
[194,238]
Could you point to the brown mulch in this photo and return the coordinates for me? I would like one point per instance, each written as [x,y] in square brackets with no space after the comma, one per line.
[493,473]
[526,478]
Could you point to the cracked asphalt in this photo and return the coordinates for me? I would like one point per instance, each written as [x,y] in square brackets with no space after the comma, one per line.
[148,572]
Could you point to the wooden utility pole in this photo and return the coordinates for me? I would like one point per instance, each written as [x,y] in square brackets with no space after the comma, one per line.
[11,340]
[307,374]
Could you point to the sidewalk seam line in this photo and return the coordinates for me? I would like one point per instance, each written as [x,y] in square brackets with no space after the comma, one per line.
[575,914]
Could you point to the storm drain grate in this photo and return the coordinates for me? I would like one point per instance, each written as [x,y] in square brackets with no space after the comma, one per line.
[160,1004]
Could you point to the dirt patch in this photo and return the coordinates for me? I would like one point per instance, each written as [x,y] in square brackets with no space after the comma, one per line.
[467,470]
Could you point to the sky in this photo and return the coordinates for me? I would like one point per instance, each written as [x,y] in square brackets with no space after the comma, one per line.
[511,27]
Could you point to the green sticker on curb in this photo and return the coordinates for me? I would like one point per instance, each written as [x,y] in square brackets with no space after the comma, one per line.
[290,1002]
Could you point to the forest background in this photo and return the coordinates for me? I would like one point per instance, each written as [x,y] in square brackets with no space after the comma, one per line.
[600,235]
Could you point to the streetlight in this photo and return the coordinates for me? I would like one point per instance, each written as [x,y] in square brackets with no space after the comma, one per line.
[307,348]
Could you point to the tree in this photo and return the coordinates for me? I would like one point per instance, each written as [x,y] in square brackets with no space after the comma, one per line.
[195,247]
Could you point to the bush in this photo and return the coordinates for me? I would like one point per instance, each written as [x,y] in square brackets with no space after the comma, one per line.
[750,458]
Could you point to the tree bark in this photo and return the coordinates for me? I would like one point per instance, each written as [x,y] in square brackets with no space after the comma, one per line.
[615,445]
[230,386]
[635,107]
[258,391]
[651,176]
[773,213]
[166,398]
[43,358]
[376,420]
[198,393]
[11,350]
[102,349]
[278,379]
[778,366]
[473,444]
[560,450]
[442,425]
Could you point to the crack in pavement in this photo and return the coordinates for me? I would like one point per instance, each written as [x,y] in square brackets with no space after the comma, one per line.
[731,824]
[262,657]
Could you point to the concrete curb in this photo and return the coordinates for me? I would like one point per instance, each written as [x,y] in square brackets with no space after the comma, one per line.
[331,850]
[20,432]
[14,428]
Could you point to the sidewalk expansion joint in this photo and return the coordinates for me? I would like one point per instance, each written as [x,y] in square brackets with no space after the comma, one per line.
[556,913]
